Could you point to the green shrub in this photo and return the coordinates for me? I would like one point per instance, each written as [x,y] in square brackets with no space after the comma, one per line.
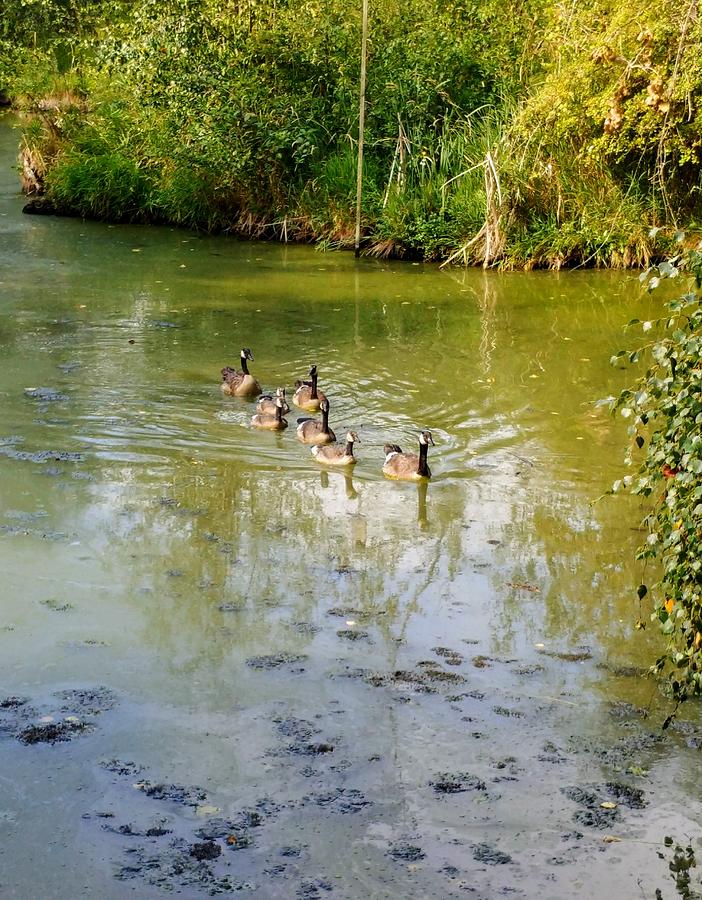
[664,409]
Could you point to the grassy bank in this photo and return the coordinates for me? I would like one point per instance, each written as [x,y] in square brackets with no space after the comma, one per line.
[546,138]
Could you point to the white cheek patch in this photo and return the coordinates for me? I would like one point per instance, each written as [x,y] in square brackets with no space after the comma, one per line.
[390,455]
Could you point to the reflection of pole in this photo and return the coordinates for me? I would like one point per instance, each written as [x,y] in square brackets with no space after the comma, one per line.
[361,128]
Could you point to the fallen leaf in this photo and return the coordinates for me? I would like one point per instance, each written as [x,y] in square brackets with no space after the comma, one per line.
[523,586]
[207,810]
[611,839]
[608,804]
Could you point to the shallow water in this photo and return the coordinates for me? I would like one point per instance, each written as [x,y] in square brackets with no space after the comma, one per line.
[257,622]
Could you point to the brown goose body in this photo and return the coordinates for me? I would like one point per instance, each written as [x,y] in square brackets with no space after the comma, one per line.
[267,403]
[274,422]
[240,384]
[306,395]
[337,454]
[408,466]
[312,431]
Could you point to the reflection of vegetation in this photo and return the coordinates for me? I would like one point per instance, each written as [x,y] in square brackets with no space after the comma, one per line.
[560,579]
[237,559]
[400,351]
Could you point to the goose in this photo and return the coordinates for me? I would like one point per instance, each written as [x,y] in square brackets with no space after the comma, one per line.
[306,395]
[267,403]
[408,466]
[337,454]
[240,384]
[312,431]
[272,422]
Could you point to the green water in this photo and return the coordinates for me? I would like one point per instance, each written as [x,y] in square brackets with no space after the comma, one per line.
[180,543]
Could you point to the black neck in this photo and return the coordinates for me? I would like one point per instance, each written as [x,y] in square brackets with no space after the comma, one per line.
[313,392]
[278,413]
[244,366]
[325,419]
[349,448]
[423,468]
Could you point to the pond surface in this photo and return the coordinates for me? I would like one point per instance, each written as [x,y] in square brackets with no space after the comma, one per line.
[226,670]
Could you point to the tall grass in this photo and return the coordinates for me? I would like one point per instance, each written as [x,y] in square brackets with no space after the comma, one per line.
[249,125]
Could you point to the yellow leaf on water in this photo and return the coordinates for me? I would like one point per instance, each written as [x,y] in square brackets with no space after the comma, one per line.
[207,810]
[607,804]
[611,839]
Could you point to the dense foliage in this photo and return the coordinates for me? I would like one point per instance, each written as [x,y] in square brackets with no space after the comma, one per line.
[665,411]
[555,135]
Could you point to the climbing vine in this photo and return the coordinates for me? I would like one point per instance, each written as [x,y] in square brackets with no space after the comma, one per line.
[664,411]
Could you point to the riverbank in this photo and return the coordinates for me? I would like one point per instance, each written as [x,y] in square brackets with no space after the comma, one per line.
[533,143]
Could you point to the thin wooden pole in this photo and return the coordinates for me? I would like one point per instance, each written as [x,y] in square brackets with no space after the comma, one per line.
[361,129]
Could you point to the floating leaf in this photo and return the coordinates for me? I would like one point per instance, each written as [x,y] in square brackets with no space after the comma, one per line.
[206,810]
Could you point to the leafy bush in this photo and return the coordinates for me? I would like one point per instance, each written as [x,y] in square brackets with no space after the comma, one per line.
[550,137]
[665,412]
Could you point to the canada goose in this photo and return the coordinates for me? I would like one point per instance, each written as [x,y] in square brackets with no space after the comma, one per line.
[267,403]
[306,395]
[337,454]
[408,466]
[274,422]
[312,431]
[240,384]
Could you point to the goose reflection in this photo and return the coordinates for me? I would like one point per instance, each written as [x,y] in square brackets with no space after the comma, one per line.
[422,520]
[351,491]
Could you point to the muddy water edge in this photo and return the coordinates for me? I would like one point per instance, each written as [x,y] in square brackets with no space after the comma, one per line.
[227,671]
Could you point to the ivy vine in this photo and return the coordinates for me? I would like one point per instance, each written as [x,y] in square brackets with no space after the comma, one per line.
[664,410]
